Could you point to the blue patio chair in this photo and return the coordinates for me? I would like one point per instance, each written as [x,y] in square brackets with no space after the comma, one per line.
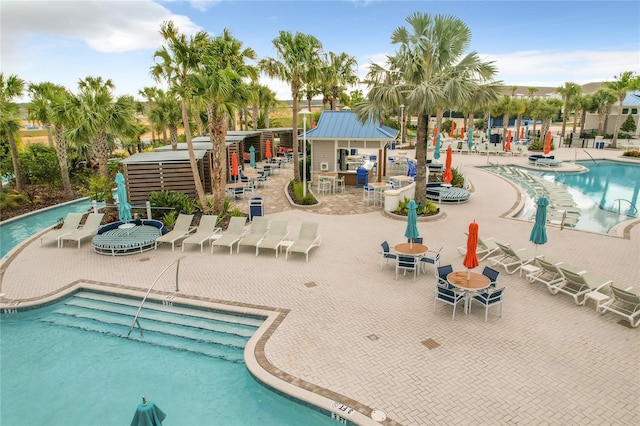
[442,272]
[448,296]
[417,240]
[407,263]
[492,274]
[386,254]
[432,257]
[489,299]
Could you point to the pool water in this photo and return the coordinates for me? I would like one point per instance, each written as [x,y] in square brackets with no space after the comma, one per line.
[72,363]
[13,232]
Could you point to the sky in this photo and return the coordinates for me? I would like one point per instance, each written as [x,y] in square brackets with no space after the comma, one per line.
[533,43]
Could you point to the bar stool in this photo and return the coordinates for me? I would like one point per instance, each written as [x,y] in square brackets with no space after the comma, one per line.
[324,186]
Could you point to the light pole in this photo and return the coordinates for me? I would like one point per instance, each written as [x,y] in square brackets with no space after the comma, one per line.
[304,113]
[402,124]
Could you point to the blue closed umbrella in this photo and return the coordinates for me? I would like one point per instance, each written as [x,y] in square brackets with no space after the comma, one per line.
[124,208]
[436,153]
[412,222]
[252,156]
[470,142]
[539,232]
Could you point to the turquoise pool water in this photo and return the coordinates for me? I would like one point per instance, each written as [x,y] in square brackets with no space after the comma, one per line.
[15,231]
[606,195]
[71,363]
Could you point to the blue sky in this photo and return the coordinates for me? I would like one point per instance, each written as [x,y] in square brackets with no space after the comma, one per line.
[533,43]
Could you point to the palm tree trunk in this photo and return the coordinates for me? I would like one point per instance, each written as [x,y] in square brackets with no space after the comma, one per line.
[173,132]
[49,136]
[192,156]
[614,142]
[505,124]
[102,152]
[61,150]
[296,145]
[17,168]
[421,159]
[217,136]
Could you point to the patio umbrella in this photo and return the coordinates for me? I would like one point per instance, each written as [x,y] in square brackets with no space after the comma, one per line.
[470,136]
[252,156]
[539,232]
[526,131]
[547,143]
[412,222]
[447,175]
[124,208]
[461,132]
[471,258]
[436,153]
[521,132]
[234,165]
[453,128]
[148,414]
[435,133]
[507,146]
[268,153]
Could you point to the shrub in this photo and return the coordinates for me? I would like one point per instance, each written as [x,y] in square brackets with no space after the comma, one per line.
[99,189]
[177,201]
[633,153]
[297,197]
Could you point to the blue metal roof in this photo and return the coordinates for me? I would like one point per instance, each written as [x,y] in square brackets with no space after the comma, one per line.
[632,99]
[345,125]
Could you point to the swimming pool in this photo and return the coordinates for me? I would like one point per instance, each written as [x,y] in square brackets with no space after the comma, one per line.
[14,231]
[72,363]
[597,200]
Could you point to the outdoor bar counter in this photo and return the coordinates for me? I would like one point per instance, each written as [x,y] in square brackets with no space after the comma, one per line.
[350,176]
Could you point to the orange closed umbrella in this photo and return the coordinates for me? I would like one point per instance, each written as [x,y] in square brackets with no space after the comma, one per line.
[547,143]
[268,153]
[453,128]
[435,134]
[507,146]
[234,165]
[521,132]
[461,132]
[447,176]
[471,258]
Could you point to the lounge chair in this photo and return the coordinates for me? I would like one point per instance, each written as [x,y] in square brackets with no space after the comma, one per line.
[275,236]
[257,231]
[624,303]
[181,229]
[308,238]
[578,285]
[515,259]
[206,229]
[235,231]
[486,247]
[89,229]
[450,195]
[70,224]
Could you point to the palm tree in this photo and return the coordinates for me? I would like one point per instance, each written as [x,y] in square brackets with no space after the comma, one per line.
[605,99]
[49,103]
[625,82]
[166,112]
[175,62]
[340,70]
[481,99]
[11,87]
[568,91]
[532,91]
[548,111]
[150,94]
[428,69]
[298,57]
[219,85]
[98,117]
[506,107]
[266,102]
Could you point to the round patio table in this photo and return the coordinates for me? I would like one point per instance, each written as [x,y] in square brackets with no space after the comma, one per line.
[470,282]
[411,249]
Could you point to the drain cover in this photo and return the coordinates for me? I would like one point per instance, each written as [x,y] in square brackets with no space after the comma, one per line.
[310,284]
[378,415]
[431,344]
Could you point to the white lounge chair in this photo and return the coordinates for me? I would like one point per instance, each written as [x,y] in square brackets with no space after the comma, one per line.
[510,258]
[89,229]
[308,238]
[70,224]
[181,229]
[624,303]
[257,231]
[206,229]
[486,247]
[274,238]
[235,231]
[579,285]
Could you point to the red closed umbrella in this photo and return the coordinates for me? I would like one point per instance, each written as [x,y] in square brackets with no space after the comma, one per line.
[507,146]
[435,134]
[547,143]
[471,258]
[521,132]
[234,165]
[453,128]
[268,153]
[461,132]
[447,176]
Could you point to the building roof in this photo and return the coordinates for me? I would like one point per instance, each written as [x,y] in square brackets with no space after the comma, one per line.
[345,125]
[156,157]
[632,99]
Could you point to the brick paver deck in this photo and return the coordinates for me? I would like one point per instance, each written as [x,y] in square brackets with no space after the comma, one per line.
[351,332]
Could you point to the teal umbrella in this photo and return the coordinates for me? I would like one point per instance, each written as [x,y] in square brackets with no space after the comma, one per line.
[470,142]
[539,232]
[124,208]
[252,156]
[148,414]
[436,153]
[412,222]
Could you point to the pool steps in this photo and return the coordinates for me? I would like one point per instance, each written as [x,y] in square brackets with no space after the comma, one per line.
[210,333]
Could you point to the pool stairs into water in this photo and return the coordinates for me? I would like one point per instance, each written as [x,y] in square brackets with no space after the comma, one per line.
[214,334]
